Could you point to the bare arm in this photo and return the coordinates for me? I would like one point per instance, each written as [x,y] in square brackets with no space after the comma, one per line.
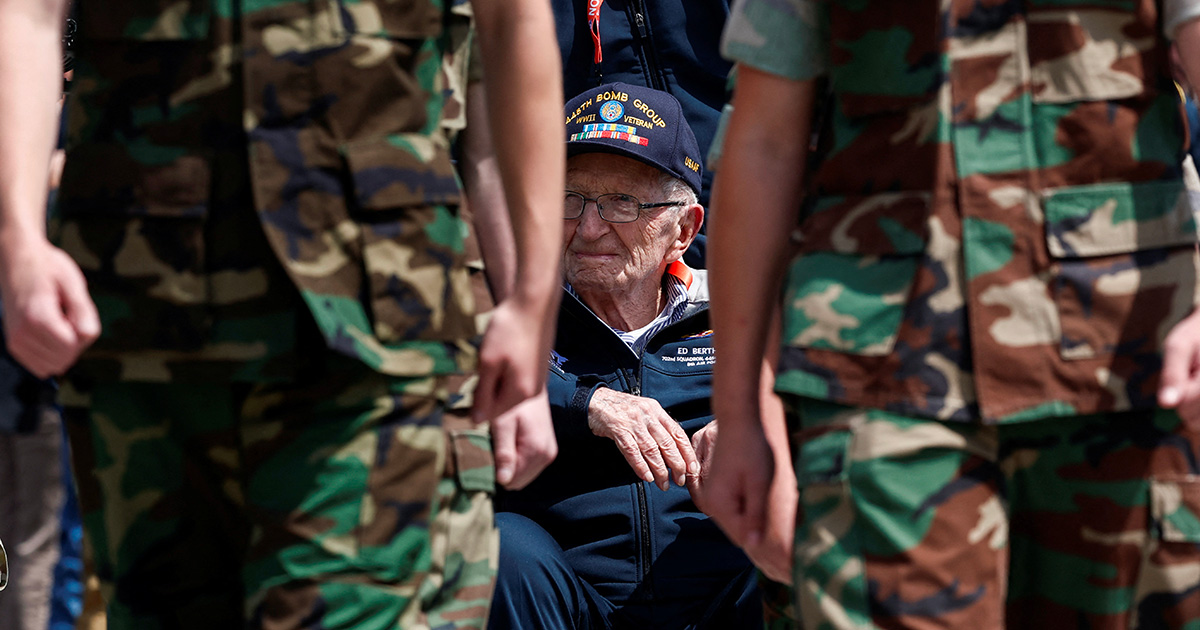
[49,317]
[1187,39]
[485,194]
[1180,387]
[524,99]
[773,556]
[756,198]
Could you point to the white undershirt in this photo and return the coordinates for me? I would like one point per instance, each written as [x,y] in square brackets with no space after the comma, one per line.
[671,313]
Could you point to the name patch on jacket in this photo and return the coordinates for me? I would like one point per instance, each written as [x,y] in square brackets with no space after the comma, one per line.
[692,357]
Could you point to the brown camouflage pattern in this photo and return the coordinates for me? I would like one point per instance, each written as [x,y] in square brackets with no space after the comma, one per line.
[304,504]
[1087,522]
[1039,183]
[323,118]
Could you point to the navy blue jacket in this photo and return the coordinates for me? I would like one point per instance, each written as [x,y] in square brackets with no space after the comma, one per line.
[669,45]
[651,552]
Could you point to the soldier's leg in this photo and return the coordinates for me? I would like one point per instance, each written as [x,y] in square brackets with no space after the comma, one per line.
[342,470]
[1105,522]
[464,541]
[157,467]
[901,523]
[779,611]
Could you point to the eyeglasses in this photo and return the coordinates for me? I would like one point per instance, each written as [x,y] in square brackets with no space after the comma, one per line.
[613,207]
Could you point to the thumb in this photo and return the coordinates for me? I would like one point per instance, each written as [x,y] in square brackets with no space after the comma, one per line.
[1177,363]
[79,309]
[504,443]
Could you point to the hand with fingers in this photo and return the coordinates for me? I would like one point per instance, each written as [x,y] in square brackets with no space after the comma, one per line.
[704,443]
[512,358]
[1180,385]
[655,446]
[49,318]
[524,442]
[736,490]
[773,555]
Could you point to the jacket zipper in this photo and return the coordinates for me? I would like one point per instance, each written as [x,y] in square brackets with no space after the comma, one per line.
[649,54]
[644,550]
[644,543]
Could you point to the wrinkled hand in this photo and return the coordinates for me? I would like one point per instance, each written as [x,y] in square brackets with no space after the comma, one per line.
[512,360]
[735,492]
[1180,385]
[524,442]
[49,318]
[773,555]
[655,446]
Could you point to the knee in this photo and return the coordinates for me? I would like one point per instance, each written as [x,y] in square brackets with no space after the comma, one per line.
[528,553]
[535,587]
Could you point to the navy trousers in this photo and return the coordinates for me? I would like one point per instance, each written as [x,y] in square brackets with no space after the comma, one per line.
[537,589]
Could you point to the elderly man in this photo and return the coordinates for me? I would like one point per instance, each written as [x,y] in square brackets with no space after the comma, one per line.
[591,543]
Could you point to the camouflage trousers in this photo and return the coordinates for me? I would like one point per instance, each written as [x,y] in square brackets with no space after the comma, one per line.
[350,500]
[1073,522]
[779,611]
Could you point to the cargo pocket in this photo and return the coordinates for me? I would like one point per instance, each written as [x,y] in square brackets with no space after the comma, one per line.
[848,289]
[885,56]
[144,20]
[1124,269]
[463,536]
[137,231]
[405,200]
[1078,52]
[1166,581]
[828,542]
[1175,508]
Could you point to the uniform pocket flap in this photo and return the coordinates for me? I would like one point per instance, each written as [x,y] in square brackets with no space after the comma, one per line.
[108,179]
[1175,507]
[882,59]
[882,224]
[1066,64]
[407,169]
[1119,218]
[474,466]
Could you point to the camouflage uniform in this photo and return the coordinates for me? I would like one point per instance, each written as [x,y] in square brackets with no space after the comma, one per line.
[973,326]
[262,200]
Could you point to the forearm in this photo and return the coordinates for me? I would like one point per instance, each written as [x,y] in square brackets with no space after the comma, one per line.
[756,198]
[524,99]
[31,73]
[1187,38]
[485,193]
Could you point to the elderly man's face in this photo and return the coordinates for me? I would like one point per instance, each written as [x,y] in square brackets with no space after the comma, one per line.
[602,256]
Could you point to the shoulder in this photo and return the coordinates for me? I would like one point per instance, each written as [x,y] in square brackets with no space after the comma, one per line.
[783,37]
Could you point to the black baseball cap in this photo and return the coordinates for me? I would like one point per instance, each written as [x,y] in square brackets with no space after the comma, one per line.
[638,122]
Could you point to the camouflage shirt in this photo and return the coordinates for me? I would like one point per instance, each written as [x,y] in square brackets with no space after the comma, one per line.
[996,226]
[231,163]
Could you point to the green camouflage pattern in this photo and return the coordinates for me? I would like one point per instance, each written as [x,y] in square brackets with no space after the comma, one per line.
[1024,159]
[461,66]
[336,501]
[1078,523]
[779,609]
[319,120]
[463,534]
